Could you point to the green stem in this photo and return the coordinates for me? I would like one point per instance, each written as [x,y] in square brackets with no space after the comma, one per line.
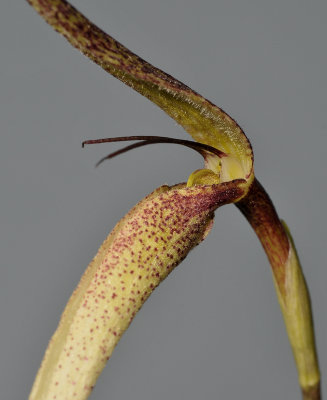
[292,291]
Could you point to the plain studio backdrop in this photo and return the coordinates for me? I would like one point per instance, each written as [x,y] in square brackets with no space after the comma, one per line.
[213,329]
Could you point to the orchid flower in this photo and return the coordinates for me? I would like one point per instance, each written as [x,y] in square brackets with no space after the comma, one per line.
[157,234]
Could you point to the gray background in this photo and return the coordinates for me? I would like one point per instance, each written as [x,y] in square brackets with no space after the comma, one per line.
[213,329]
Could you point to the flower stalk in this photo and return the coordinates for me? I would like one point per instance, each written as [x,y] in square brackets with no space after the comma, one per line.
[291,288]
[103,305]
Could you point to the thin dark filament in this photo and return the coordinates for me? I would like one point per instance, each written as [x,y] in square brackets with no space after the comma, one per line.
[199,147]
[123,150]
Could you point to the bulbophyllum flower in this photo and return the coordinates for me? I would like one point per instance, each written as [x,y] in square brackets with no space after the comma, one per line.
[157,234]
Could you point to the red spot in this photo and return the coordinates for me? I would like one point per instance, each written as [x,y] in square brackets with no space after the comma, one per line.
[114,295]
